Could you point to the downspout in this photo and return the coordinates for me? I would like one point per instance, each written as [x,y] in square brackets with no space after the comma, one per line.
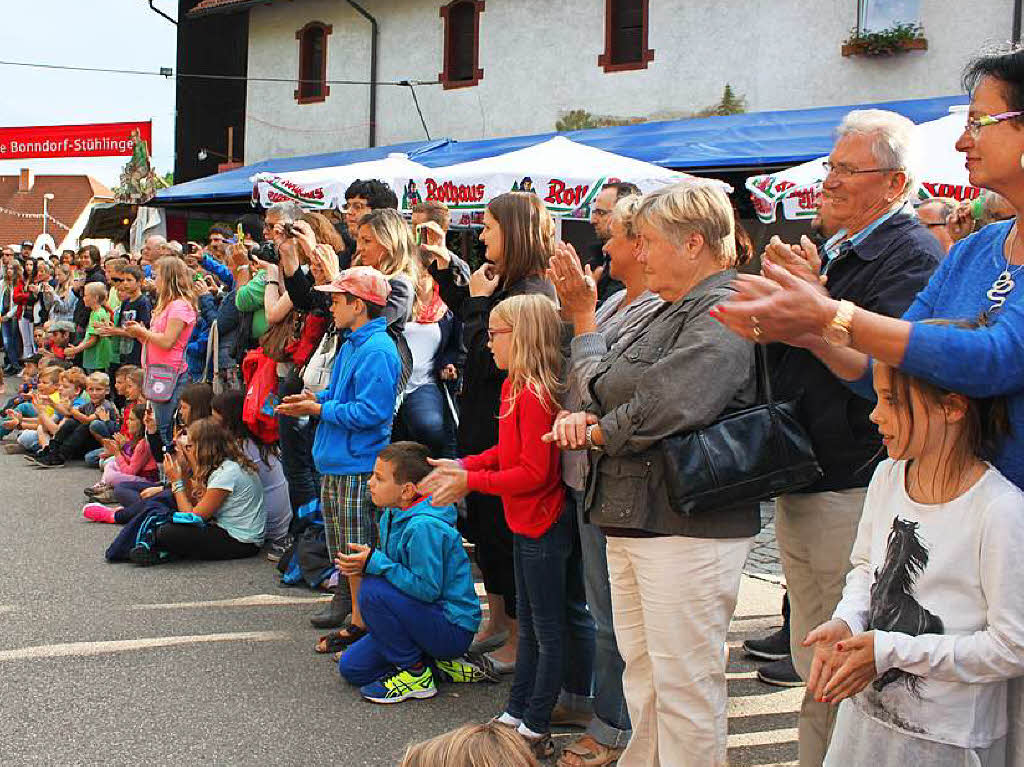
[1016,20]
[156,10]
[373,69]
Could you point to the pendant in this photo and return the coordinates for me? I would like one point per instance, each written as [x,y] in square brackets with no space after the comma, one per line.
[1002,287]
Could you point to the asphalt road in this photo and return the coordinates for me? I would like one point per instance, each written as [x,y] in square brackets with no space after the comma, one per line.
[120,665]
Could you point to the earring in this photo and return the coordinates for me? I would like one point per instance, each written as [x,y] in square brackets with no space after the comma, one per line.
[1022,160]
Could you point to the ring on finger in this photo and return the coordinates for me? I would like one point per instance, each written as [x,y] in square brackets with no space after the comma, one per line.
[756,328]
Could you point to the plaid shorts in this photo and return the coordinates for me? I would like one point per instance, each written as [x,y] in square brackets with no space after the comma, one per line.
[349,514]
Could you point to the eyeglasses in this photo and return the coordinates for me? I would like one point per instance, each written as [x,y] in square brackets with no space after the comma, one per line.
[355,207]
[491,333]
[601,213]
[832,169]
[975,124]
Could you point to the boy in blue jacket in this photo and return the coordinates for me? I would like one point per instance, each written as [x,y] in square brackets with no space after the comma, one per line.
[354,413]
[417,595]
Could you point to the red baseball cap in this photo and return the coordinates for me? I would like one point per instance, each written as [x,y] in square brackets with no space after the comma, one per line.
[363,282]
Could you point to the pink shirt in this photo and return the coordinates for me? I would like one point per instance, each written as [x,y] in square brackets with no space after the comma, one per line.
[179,309]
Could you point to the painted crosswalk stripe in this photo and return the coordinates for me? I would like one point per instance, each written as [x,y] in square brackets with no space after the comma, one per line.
[255,600]
[763,737]
[84,649]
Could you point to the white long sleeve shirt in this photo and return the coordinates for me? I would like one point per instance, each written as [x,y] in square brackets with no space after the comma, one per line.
[969,557]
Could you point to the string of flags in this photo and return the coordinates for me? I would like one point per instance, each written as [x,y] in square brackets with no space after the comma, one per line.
[22,214]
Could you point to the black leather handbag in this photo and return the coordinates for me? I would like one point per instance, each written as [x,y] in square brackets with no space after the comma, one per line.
[746,455]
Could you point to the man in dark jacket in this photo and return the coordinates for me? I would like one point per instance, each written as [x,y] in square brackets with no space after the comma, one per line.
[879,256]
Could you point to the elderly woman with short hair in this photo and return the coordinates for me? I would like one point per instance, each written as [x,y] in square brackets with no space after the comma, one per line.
[674,578]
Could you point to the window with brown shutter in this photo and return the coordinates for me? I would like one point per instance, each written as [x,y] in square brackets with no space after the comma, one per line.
[313,63]
[625,36]
[461,43]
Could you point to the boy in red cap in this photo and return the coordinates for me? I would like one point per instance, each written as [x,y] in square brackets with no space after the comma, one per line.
[355,413]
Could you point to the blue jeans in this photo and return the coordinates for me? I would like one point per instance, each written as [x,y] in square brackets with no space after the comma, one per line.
[610,725]
[164,411]
[12,344]
[27,409]
[423,417]
[554,625]
[92,458]
[403,631]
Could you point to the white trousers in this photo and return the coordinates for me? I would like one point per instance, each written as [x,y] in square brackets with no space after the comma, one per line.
[672,600]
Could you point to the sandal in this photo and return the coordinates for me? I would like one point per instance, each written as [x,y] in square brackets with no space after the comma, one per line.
[542,747]
[588,752]
[339,640]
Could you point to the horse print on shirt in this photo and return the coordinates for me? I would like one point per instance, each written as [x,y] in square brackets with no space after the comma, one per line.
[893,605]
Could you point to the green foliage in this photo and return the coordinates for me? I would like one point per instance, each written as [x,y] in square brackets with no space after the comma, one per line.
[887,41]
[730,104]
[581,119]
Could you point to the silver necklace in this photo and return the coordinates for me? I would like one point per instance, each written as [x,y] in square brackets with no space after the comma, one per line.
[1004,283]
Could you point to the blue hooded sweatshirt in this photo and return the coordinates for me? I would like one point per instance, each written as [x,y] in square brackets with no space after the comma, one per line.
[359,402]
[421,555]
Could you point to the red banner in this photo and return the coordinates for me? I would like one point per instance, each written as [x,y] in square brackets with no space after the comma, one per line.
[95,140]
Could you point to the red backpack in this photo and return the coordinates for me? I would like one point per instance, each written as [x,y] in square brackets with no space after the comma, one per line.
[260,375]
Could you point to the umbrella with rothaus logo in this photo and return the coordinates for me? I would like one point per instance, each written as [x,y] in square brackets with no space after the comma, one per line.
[324,188]
[938,168]
[567,176]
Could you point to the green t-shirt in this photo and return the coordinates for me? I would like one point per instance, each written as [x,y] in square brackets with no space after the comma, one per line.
[100,354]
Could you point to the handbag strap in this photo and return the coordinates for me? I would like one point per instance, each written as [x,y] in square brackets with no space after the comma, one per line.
[764,384]
[212,352]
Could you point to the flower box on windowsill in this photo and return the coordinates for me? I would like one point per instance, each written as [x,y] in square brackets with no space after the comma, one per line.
[857,48]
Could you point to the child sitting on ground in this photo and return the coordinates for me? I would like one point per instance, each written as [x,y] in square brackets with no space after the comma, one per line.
[111,433]
[43,401]
[71,388]
[231,516]
[97,351]
[22,401]
[417,596]
[133,462]
[73,439]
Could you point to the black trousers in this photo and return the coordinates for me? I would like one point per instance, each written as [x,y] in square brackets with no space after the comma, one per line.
[206,542]
[73,439]
[486,527]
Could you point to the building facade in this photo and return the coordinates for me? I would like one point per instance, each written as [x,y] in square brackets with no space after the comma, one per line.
[509,67]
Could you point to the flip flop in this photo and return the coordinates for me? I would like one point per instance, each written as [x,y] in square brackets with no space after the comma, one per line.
[588,752]
[493,642]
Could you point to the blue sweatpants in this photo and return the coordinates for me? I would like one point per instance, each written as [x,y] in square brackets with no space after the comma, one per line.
[403,631]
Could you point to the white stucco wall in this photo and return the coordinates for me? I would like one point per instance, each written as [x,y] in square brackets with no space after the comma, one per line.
[540,58]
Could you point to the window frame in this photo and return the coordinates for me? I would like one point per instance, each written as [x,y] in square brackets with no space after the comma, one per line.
[862,12]
[604,60]
[300,35]
[478,74]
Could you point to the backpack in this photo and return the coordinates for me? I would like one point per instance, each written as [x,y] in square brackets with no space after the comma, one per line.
[260,375]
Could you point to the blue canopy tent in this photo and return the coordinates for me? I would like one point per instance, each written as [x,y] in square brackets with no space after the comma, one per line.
[719,145]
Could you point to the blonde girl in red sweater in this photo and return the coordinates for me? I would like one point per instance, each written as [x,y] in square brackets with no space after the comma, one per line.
[524,335]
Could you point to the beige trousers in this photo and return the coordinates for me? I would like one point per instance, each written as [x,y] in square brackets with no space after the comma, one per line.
[672,599]
[815,532]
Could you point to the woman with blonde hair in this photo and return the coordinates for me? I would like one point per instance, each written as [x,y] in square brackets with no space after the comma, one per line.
[525,338]
[519,238]
[472,745]
[165,340]
[679,371]
[385,242]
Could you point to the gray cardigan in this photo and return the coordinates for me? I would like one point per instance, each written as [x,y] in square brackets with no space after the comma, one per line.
[678,373]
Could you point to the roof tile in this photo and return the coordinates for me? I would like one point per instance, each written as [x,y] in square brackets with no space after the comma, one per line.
[71,196]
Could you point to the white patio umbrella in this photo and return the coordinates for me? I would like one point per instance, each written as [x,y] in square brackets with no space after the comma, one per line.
[938,168]
[324,188]
[564,174]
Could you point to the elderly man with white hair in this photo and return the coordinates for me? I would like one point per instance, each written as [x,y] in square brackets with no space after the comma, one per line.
[879,256]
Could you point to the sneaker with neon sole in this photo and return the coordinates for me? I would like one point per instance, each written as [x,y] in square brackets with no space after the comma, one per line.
[401,685]
[471,667]
[97,512]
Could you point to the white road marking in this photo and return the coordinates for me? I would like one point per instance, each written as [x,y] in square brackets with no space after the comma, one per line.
[764,738]
[749,625]
[782,702]
[84,649]
[256,600]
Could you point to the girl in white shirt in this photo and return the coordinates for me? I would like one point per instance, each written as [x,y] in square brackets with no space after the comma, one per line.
[931,623]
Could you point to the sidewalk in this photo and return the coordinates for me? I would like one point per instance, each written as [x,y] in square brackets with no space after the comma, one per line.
[764,557]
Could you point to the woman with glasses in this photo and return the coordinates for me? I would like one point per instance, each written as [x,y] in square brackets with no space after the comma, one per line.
[981,275]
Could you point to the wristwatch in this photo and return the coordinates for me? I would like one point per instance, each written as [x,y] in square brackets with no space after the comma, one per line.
[837,332]
[590,438]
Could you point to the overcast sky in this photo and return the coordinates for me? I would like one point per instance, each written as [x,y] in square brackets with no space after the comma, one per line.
[120,34]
